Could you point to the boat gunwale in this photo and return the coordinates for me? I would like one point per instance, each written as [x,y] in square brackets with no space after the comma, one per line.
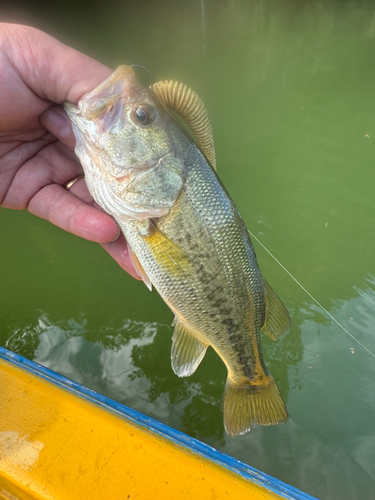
[164,431]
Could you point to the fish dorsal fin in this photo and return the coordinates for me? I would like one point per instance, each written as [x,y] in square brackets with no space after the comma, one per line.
[139,268]
[183,101]
[187,351]
[277,323]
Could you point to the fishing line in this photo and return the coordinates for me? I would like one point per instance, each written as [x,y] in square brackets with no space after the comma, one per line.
[309,294]
[142,67]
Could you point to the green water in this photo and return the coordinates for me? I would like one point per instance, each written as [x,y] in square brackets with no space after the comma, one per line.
[290,90]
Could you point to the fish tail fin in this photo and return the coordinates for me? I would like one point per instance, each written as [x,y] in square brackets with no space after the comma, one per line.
[246,405]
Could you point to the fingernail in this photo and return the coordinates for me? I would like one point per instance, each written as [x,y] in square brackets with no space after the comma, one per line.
[117,236]
[57,122]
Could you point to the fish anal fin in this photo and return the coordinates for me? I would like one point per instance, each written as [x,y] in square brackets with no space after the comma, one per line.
[187,351]
[138,267]
[248,405]
[277,323]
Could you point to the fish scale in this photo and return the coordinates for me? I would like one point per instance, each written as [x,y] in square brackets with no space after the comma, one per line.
[187,239]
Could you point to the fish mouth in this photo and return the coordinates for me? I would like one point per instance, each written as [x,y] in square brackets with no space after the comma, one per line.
[113,93]
[71,108]
[83,129]
[72,111]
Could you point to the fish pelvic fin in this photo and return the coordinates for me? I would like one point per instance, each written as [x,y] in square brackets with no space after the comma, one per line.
[187,351]
[277,323]
[247,405]
[138,267]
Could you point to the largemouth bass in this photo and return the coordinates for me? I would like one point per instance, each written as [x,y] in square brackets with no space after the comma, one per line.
[187,238]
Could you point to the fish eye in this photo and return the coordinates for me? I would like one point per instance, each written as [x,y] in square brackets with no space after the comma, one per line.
[144,114]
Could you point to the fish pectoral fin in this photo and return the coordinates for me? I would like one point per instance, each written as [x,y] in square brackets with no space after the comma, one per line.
[139,268]
[277,323]
[187,351]
[248,405]
[166,252]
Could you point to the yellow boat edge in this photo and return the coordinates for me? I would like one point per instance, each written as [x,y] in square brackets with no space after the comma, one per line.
[62,440]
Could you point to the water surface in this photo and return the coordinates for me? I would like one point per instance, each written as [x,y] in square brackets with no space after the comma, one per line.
[290,90]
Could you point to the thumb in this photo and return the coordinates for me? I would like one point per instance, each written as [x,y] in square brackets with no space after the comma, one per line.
[51,69]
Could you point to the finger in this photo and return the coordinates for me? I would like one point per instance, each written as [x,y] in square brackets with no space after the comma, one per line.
[53,163]
[57,122]
[62,208]
[119,251]
[53,70]
[13,155]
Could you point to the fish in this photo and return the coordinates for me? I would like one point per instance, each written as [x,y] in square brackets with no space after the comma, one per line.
[155,174]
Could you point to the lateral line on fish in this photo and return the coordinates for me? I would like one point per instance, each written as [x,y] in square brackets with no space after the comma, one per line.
[309,294]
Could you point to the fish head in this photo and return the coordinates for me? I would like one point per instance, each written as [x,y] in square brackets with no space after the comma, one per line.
[123,133]
[123,121]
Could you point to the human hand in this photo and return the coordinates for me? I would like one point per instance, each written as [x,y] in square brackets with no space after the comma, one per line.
[37,74]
